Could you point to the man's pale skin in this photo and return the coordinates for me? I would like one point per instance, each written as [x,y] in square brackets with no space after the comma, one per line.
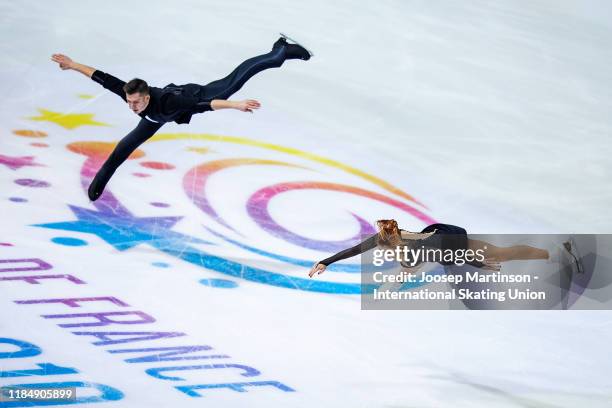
[138,102]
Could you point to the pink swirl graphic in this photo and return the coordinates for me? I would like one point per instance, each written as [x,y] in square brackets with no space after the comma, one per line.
[257,207]
[194,182]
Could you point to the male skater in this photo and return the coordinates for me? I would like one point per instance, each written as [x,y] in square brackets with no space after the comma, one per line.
[177,103]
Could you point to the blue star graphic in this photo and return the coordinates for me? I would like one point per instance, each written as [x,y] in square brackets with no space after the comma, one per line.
[124,231]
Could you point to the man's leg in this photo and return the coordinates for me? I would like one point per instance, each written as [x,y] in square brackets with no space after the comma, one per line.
[224,88]
[143,131]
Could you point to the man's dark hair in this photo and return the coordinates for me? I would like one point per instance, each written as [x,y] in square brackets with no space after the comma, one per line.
[136,85]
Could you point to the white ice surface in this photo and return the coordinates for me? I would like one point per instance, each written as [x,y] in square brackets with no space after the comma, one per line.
[495,115]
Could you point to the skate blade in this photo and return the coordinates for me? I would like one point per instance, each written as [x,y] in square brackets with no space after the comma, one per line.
[573,256]
[576,255]
[286,37]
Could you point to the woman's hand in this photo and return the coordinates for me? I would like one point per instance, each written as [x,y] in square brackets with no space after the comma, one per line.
[317,269]
[248,105]
[64,61]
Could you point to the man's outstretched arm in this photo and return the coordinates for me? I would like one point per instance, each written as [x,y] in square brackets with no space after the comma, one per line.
[115,85]
[248,105]
[179,102]
[66,62]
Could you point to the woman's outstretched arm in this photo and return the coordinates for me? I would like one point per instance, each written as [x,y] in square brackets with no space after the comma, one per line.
[360,248]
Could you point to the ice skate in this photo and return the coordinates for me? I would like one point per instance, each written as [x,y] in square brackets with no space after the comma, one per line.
[281,42]
[571,254]
[295,50]
[95,189]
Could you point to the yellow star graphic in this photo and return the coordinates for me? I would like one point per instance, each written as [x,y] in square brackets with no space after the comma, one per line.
[201,150]
[67,120]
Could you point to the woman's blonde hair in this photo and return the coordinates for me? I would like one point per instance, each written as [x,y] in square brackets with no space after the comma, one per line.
[389,234]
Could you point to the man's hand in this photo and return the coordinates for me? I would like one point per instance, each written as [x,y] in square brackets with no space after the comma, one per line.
[317,269]
[64,61]
[248,105]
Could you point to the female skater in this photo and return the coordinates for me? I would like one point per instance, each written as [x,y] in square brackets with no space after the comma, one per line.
[445,236]
[173,103]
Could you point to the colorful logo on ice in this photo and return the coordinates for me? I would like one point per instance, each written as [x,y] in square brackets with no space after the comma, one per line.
[112,220]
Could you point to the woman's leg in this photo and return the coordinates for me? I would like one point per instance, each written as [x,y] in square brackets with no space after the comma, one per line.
[503,254]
